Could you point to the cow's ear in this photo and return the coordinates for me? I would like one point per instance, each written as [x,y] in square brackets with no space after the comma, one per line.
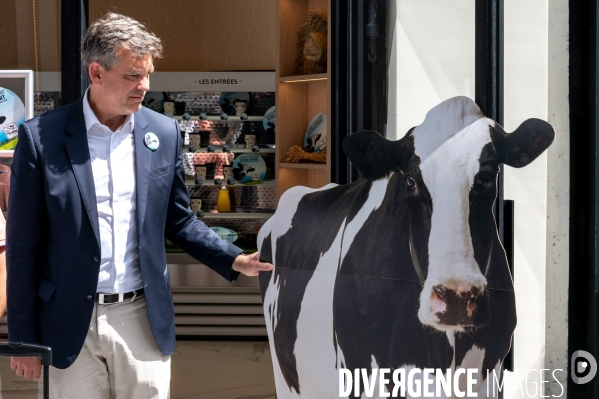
[372,154]
[527,142]
[356,146]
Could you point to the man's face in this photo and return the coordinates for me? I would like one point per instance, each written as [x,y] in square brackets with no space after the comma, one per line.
[121,89]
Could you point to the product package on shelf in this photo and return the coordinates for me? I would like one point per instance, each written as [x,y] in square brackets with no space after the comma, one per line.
[44,101]
[198,102]
[221,132]
[244,199]
[214,102]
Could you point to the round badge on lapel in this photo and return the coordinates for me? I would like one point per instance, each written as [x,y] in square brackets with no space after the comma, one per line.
[151,141]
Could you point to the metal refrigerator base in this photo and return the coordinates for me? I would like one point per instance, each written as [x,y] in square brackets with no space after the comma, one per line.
[208,306]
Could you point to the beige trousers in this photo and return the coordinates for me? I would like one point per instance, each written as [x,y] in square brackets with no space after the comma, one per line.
[119,357]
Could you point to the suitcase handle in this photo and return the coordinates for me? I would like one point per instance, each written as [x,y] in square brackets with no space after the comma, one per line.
[22,349]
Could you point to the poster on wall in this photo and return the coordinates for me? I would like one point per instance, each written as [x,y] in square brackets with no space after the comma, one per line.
[16,106]
[397,284]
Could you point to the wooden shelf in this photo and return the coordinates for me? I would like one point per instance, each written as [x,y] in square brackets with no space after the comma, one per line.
[237,215]
[299,98]
[288,165]
[218,118]
[303,78]
[208,183]
[233,150]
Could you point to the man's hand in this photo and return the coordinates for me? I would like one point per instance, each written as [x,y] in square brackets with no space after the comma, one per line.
[27,367]
[250,265]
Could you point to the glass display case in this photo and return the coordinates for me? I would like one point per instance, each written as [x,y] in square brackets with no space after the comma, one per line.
[227,123]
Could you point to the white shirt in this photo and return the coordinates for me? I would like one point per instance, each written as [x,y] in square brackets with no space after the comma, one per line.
[113,166]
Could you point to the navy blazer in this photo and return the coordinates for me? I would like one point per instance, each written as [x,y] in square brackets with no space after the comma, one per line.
[53,245]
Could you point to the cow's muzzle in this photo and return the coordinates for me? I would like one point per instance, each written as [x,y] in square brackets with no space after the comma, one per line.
[455,308]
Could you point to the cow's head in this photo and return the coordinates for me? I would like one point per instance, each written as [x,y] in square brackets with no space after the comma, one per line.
[242,171]
[312,142]
[447,168]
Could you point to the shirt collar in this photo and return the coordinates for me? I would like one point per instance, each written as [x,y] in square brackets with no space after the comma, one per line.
[91,119]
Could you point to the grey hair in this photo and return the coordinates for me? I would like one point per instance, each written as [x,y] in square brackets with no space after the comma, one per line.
[113,30]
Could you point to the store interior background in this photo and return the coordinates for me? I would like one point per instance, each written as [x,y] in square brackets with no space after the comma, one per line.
[198,36]
[430,58]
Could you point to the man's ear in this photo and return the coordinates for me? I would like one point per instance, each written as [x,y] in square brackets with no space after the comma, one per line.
[372,154]
[527,142]
[94,73]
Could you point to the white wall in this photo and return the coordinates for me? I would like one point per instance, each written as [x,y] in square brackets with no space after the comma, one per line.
[526,96]
[558,197]
[432,59]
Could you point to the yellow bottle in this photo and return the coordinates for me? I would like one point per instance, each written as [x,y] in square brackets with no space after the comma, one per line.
[223,203]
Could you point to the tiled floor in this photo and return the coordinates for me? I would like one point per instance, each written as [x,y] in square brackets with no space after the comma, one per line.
[199,369]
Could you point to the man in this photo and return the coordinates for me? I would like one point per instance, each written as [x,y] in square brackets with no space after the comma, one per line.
[96,186]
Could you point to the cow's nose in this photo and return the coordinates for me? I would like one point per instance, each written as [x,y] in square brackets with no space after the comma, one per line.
[454,308]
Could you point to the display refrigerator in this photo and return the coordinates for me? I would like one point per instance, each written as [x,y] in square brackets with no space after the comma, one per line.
[227,123]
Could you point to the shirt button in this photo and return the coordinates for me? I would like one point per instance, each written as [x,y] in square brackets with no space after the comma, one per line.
[96,259]
[90,298]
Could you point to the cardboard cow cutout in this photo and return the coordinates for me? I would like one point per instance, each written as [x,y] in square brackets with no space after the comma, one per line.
[400,270]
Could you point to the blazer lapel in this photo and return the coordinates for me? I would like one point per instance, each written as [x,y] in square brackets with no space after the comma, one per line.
[78,151]
[143,162]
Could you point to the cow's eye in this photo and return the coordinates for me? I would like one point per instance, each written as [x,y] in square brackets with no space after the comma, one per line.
[411,182]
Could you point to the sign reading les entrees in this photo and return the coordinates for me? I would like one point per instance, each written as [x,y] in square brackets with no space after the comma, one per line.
[218,81]
[238,81]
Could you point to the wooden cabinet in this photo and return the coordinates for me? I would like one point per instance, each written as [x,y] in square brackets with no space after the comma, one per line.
[299,98]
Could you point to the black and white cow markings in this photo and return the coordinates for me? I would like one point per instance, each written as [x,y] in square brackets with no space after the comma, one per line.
[242,170]
[313,142]
[402,269]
